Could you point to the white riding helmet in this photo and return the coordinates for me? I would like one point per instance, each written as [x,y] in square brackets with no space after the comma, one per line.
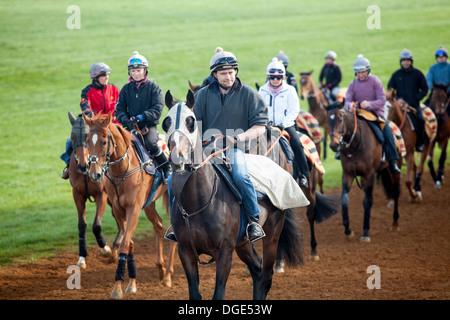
[361,64]
[276,67]
[331,54]
[137,61]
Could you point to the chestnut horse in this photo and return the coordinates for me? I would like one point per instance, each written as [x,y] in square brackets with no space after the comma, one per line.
[439,103]
[361,155]
[83,189]
[128,187]
[318,103]
[398,114]
[206,215]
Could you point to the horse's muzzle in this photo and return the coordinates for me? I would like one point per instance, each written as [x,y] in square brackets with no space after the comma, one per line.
[96,177]
[82,169]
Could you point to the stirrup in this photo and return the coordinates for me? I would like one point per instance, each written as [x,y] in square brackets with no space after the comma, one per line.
[261,232]
[170,235]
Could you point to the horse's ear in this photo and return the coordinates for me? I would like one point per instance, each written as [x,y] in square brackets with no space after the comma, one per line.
[168,99]
[310,73]
[108,119]
[191,85]
[190,99]
[86,118]
[71,117]
[257,86]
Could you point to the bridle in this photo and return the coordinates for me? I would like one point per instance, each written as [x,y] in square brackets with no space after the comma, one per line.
[343,145]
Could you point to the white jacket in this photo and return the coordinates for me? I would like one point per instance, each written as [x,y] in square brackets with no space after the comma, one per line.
[284,107]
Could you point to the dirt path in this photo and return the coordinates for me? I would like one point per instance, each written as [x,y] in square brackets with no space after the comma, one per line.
[414,262]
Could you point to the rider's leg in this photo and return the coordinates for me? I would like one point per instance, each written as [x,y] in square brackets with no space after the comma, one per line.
[300,158]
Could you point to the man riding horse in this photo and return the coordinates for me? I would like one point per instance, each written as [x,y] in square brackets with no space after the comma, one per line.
[366,92]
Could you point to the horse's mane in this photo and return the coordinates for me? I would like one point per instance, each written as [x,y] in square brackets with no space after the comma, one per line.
[440,87]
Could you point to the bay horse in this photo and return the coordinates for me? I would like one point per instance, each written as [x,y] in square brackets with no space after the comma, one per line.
[84,189]
[320,208]
[398,114]
[128,187]
[361,155]
[318,103]
[206,215]
[439,103]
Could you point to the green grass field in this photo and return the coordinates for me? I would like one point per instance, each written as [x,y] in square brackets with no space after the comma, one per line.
[44,66]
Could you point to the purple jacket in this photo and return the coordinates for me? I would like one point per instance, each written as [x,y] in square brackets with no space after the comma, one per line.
[371,90]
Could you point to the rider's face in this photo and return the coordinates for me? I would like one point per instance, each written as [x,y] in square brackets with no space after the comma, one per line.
[103,80]
[226,77]
[406,63]
[137,74]
[362,75]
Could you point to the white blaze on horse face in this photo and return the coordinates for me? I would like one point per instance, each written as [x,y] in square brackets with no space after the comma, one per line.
[332,116]
[176,138]
[94,139]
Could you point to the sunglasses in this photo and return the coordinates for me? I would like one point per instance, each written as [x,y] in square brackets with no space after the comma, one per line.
[276,71]
[136,61]
[225,60]
[275,77]
[440,53]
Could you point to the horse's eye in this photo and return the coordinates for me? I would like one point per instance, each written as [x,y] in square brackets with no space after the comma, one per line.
[190,124]
[104,143]
[167,122]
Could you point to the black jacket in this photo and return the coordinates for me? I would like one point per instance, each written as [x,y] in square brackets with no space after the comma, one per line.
[409,84]
[147,99]
[332,74]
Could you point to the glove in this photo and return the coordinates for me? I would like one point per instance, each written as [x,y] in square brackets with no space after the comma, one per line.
[281,127]
[140,117]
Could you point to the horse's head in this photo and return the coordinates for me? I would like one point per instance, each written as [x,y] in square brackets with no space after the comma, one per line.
[306,84]
[336,125]
[101,145]
[79,134]
[393,106]
[181,130]
[438,100]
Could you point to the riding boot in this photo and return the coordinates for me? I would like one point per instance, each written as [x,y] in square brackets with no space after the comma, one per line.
[65,173]
[393,166]
[163,166]
[420,132]
[254,230]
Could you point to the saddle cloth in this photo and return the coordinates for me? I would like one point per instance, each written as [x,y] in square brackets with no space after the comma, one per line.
[431,126]
[307,122]
[398,137]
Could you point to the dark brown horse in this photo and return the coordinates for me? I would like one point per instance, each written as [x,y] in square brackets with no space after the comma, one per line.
[439,103]
[320,207]
[128,187]
[318,103]
[361,155]
[398,114]
[83,189]
[206,215]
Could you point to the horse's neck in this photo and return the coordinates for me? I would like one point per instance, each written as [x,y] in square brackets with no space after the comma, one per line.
[122,154]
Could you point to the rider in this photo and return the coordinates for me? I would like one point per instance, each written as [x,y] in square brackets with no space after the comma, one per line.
[140,105]
[367,90]
[240,114]
[411,86]
[290,79]
[97,97]
[333,76]
[439,73]
[283,108]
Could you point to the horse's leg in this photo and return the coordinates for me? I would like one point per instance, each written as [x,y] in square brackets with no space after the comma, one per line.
[396,193]
[368,184]
[190,266]
[126,248]
[410,169]
[247,253]
[442,158]
[156,220]
[100,201]
[223,267]
[347,180]
[420,168]
[430,161]
[80,203]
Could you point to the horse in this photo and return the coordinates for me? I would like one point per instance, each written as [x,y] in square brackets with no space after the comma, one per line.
[360,157]
[439,102]
[84,189]
[320,207]
[398,114]
[128,187]
[206,215]
[318,103]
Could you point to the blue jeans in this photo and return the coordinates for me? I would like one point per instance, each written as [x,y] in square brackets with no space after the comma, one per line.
[240,178]
[68,153]
[386,138]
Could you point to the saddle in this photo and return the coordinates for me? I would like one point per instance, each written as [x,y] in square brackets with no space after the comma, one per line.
[309,125]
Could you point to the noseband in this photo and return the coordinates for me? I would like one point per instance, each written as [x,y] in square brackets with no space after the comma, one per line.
[343,145]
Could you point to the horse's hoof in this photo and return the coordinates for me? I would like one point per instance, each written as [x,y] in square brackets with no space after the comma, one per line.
[391,204]
[394,228]
[350,236]
[437,185]
[365,239]
[130,289]
[114,256]
[115,295]
[82,263]
[106,251]
[167,282]
[419,196]
[314,257]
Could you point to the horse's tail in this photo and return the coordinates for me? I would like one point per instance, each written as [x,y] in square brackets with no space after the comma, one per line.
[290,244]
[391,190]
[325,207]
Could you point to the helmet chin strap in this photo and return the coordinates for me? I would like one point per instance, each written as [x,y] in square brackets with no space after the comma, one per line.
[99,84]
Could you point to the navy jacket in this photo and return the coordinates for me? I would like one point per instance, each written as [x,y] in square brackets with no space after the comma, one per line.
[409,84]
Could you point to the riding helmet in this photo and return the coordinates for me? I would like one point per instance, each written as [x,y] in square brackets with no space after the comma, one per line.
[361,64]
[99,69]
[223,60]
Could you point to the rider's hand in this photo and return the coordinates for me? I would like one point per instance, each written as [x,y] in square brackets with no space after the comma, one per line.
[365,104]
